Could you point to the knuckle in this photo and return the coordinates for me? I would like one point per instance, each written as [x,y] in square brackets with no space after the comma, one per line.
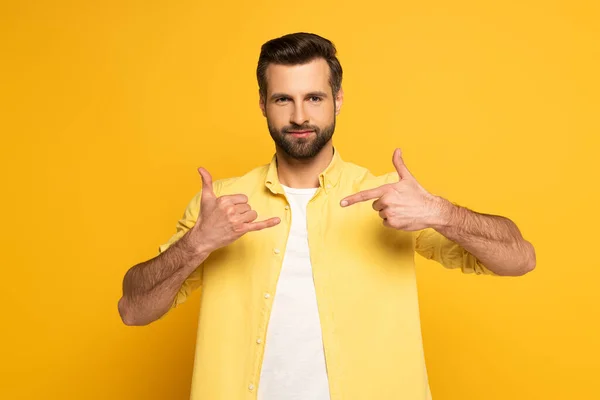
[221,202]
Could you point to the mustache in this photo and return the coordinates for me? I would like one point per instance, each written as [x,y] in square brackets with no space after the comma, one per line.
[288,128]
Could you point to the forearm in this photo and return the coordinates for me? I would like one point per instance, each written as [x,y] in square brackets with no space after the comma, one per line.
[149,288]
[494,240]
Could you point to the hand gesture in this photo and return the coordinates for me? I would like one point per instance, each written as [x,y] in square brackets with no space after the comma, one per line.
[404,204]
[222,220]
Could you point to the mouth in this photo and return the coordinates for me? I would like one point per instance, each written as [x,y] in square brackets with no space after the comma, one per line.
[300,133]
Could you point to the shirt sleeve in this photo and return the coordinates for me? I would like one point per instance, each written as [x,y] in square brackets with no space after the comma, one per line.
[184,224]
[432,245]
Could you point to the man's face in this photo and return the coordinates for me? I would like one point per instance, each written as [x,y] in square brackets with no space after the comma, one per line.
[300,107]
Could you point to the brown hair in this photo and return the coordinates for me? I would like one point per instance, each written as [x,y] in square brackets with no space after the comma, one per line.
[298,48]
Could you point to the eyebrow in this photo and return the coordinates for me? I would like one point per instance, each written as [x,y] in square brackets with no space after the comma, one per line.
[319,94]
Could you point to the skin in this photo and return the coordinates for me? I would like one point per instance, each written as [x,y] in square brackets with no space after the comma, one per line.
[290,104]
[299,97]
[494,240]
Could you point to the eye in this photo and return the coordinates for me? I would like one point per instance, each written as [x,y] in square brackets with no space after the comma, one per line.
[281,100]
[315,99]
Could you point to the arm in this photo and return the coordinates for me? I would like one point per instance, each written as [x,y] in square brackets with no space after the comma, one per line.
[149,288]
[494,240]
[152,288]
[450,234]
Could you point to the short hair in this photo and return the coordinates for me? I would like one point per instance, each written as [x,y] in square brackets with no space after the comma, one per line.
[296,49]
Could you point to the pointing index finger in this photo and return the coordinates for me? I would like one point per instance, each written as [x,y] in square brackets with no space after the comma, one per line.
[363,196]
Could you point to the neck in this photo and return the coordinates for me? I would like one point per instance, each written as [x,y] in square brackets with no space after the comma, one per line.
[302,174]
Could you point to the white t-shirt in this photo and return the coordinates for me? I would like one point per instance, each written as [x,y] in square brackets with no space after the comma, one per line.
[294,363]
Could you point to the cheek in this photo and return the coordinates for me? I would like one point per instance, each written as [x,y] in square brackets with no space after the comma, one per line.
[277,116]
[322,115]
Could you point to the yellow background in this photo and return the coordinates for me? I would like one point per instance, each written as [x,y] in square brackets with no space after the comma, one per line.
[108,108]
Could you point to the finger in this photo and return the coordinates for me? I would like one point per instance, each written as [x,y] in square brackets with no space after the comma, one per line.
[364,196]
[242,208]
[234,198]
[248,216]
[257,226]
[379,204]
[403,171]
[207,184]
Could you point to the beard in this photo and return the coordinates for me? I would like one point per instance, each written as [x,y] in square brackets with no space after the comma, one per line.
[301,148]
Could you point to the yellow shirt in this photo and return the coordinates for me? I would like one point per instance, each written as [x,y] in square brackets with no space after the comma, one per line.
[364,276]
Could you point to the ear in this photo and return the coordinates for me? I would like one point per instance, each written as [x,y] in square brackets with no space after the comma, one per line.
[261,104]
[339,99]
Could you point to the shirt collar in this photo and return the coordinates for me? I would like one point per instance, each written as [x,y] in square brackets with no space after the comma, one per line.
[328,179]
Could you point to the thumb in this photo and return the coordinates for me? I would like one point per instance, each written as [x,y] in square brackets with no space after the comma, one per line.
[403,171]
[207,185]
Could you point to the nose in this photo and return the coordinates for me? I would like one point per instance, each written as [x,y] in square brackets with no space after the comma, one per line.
[298,116]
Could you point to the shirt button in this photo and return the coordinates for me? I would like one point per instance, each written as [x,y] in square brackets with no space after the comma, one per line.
[251,387]
[267,295]
[276,251]
[287,207]
[258,341]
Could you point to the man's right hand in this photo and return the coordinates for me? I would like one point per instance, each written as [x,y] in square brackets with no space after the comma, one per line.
[149,288]
[223,220]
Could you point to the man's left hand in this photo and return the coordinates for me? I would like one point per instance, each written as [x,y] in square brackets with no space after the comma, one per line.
[404,204]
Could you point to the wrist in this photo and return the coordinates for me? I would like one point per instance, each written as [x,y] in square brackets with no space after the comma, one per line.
[444,214]
[195,247]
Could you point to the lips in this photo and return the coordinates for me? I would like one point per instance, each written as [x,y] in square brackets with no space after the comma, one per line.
[300,132]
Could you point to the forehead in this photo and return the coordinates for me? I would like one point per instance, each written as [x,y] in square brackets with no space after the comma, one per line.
[291,79]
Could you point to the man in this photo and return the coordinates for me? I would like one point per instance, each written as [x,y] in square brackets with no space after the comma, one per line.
[318,299]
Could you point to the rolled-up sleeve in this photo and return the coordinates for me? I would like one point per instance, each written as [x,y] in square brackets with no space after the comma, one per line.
[432,245]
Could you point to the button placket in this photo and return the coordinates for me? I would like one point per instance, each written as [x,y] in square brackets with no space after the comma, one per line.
[267,295]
